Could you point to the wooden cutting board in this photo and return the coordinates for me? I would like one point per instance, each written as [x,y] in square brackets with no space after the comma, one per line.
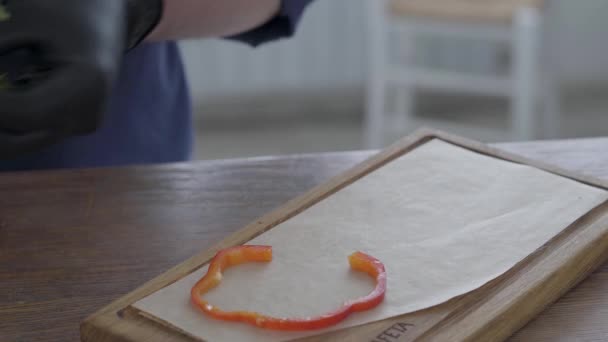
[491,313]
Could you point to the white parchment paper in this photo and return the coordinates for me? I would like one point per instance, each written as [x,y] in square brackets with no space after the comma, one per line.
[444,220]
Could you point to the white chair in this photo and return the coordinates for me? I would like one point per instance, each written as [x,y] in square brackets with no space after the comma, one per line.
[528,83]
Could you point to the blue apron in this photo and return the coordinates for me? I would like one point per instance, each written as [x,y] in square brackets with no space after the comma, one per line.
[148,119]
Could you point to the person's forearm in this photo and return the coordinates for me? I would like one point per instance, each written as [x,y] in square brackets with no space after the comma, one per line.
[184,19]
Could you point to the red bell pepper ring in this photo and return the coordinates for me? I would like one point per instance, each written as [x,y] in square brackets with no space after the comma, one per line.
[243,254]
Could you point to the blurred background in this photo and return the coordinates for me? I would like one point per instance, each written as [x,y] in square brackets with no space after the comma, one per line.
[361,73]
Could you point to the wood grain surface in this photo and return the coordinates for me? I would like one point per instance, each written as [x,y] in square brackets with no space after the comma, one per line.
[73,241]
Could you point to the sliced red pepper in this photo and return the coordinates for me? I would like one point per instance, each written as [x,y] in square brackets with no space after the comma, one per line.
[242,254]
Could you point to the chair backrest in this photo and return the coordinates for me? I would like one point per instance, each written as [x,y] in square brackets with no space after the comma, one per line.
[470,10]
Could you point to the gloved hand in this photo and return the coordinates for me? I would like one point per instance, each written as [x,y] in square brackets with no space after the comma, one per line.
[75,47]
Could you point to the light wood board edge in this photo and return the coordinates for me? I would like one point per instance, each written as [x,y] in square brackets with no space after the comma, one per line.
[116,322]
[472,12]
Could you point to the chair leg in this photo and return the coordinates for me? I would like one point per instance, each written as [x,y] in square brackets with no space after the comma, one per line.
[374,118]
[525,74]
[404,91]
[404,108]
[551,108]
[374,123]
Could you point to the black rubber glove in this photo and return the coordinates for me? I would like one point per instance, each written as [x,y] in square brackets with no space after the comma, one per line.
[62,58]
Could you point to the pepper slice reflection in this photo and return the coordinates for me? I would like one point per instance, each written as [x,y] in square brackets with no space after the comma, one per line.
[243,254]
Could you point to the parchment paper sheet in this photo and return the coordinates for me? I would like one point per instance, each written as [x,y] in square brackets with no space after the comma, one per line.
[444,220]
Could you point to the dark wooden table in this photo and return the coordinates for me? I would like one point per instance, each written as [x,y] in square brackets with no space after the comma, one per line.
[73,241]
